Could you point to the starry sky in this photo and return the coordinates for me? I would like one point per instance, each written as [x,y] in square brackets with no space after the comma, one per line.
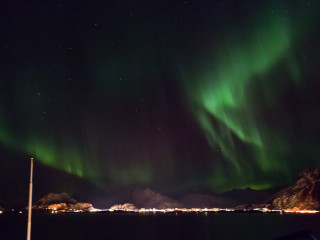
[175,95]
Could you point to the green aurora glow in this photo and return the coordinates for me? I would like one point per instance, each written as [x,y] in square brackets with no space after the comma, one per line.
[222,102]
[116,108]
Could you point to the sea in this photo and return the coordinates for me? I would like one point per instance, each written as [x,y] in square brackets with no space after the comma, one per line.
[134,226]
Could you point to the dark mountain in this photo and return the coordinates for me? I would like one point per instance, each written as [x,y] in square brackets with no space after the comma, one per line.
[146,198]
[248,196]
[195,200]
[143,198]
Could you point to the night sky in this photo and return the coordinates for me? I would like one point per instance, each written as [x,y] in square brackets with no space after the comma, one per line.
[177,96]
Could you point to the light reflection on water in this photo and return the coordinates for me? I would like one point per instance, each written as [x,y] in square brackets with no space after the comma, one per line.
[132,226]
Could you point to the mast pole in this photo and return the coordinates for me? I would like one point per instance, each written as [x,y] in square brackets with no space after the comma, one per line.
[30,202]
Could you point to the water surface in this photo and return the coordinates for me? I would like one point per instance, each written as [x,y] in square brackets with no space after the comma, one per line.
[134,226]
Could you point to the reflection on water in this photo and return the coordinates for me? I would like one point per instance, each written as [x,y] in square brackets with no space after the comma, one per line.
[134,226]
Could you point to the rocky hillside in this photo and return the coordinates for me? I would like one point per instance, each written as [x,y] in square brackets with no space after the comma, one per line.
[61,202]
[124,207]
[54,198]
[303,195]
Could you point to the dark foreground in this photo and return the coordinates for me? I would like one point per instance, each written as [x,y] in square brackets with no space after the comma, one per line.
[134,226]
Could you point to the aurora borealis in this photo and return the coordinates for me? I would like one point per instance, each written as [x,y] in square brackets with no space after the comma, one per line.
[173,95]
[222,100]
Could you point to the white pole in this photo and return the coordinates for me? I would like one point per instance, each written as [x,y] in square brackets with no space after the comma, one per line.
[30,202]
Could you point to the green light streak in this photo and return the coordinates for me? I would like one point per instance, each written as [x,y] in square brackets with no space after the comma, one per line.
[224,95]
[68,160]
[221,100]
